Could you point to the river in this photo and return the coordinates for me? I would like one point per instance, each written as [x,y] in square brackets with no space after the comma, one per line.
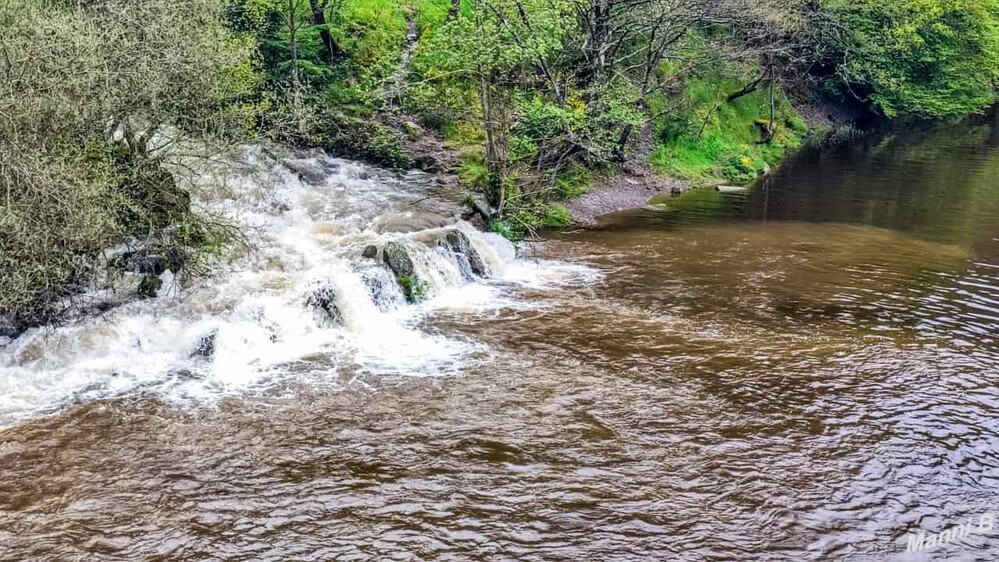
[805,370]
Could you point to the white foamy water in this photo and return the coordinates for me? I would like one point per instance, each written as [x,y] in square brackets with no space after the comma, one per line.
[258,319]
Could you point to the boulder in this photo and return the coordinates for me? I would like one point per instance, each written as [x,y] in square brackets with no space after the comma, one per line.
[397,258]
[412,130]
[9,331]
[370,252]
[427,163]
[307,169]
[479,206]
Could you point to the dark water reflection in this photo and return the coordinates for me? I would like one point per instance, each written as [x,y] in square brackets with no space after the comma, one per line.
[806,371]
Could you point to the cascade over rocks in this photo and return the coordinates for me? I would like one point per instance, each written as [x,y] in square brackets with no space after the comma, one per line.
[469,259]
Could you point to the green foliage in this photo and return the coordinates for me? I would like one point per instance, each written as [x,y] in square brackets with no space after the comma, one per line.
[359,137]
[503,229]
[542,120]
[473,172]
[714,138]
[929,57]
[88,89]
[412,288]
[557,216]
[573,183]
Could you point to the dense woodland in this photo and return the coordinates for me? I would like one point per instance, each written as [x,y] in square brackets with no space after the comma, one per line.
[535,101]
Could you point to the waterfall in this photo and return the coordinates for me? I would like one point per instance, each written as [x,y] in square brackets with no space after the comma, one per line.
[306,292]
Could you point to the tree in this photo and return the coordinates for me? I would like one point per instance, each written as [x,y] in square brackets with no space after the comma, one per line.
[91,96]
[928,57]
[319,19]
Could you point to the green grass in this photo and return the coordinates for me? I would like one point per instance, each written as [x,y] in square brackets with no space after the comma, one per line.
[432,13]
[372,32]
[718,139]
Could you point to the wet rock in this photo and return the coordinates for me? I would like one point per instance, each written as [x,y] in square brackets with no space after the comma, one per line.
[323,301]
[206,345]
[149,286]
[397,258]
[9,331]
[479,206]
[186,375]
[427,163]
[308,170]
[461,246]
[144,261]
[412,221]
[370,252]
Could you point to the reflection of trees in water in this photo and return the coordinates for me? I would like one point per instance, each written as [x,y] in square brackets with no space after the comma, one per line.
[936,182]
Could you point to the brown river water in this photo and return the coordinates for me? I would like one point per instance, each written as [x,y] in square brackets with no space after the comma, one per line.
[808,370]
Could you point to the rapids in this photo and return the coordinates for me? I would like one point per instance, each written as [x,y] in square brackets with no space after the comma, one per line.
[807,370]
[310,217]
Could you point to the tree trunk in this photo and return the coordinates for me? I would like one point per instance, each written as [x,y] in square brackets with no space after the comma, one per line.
[622,144]
[494,139]
[293,42]
[770,127]
[296,83]
[599,25]
[330,49]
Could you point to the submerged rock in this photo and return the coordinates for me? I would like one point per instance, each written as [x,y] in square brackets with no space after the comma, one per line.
[412,221]
[187,375]
[459,244]
[396,256]
[731,188]
[323,302]
[370,252]
[386,293]
[206,345]
[308,170]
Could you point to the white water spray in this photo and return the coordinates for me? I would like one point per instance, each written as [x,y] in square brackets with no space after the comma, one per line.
[310,218]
